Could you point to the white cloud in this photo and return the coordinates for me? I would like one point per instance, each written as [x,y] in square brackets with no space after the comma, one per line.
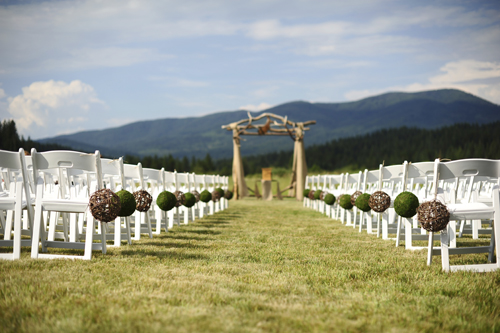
[2,93]
[466,75]
[52,107]
[260,107]
[466,70]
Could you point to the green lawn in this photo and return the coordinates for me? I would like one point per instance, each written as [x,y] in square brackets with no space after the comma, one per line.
[256,267]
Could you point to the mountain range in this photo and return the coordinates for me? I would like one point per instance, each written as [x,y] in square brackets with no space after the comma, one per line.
[197,136]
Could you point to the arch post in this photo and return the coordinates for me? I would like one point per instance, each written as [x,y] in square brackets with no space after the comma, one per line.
[240,187]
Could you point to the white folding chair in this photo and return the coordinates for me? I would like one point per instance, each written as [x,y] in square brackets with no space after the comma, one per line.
[415,173]
[134,181]
[156,181]
[471,210]
[16,177]
[63,161]
[114,179]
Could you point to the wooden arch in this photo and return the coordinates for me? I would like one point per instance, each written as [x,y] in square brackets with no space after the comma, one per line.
[274,125]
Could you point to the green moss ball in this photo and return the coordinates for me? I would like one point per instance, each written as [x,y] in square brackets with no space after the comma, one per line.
[189,200]
[128,203]
[329,199]
[205,196]
[317,193]
[166,200]
[306,192]
[406,204]
[362,202]
[345,201]
[228,195]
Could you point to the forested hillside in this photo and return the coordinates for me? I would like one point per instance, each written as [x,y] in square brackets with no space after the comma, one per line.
[367,151]
[195,136]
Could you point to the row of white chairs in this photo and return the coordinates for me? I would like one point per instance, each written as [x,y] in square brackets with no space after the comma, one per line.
[44,201]
[469,188]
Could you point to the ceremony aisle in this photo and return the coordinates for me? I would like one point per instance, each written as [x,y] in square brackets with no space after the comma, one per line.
[255,267]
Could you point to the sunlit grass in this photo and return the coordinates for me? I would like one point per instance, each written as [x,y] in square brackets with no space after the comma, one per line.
[256,267]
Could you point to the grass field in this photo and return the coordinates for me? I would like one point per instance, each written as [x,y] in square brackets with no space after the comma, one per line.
[256,267]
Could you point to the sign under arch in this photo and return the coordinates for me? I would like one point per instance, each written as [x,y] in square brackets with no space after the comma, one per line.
[270,124]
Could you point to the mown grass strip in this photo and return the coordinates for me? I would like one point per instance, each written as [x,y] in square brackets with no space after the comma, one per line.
[256,267]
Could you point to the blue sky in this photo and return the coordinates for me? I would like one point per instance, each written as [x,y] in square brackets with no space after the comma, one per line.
[67,66]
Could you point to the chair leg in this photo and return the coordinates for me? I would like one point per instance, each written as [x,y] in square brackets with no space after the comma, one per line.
[398,233]
[445,253]
[118,231]
[17,225]
[148,223]
[89,237]
[127,225]
[378,224]
[492,245]
[429,248]
[408,233]
[137,229]
[8,225]
[104,229]
[35,238]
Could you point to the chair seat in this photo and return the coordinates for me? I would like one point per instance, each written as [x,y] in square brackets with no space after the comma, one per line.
[7,203]
[68,206]
[479,210]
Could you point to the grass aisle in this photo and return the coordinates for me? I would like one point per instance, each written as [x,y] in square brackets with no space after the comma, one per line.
[256,267]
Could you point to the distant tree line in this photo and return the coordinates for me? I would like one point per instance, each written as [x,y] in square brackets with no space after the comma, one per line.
[391,146]
[10,140]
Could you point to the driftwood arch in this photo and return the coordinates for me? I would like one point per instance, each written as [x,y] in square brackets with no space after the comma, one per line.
[274,125]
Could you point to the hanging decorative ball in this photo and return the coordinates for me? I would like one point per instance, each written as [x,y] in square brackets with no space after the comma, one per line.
[127,202]
[166,200]
[221,192]
[228,195]
[306,193]
[354,196]
[205,196]
[216,196]
[104,205]
[311,195]
[189,200]
[406,204]
[362,202]
[196,195]
[433,215]
[345,201]
[317,194]
[329,199]
[143,200]
[180,198]
[379,201]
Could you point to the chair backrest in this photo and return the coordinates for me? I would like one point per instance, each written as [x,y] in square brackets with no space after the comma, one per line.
[170,183]
[183,182]
[60,160]
[468,168]
[15,164]
[155,178]
[199,182]
[112,171]
[210,182]
[133,174]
